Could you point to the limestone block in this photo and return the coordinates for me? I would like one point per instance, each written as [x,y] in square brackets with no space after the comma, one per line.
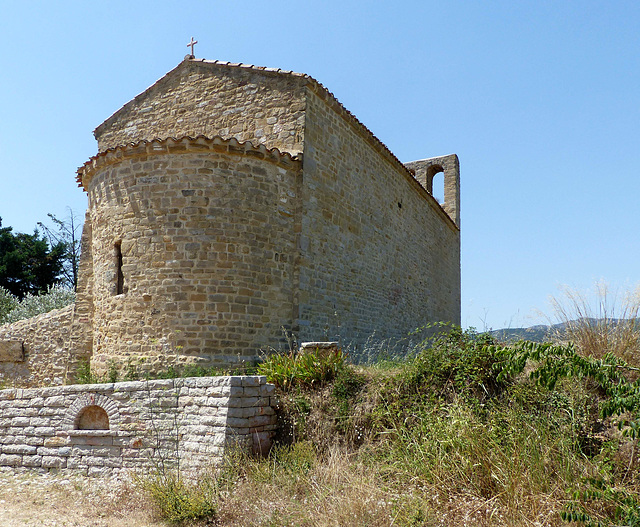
[52,442]
[267,390]
[53,462]
[10,460]
[96,461]
[99,472]
[39,421]
[57,400]
[31,461]
[11,351]
[219,391]
[54,452]
[261,420]
[253,381]
[19,449]
[20,421]
[45,431]
[213,420]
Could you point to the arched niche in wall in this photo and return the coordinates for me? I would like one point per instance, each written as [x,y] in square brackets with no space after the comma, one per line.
[92,411]
[92,418]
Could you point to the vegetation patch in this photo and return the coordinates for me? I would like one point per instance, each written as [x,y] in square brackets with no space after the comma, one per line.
[463,431]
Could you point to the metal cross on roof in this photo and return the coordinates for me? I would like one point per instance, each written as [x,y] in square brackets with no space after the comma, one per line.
[191,44]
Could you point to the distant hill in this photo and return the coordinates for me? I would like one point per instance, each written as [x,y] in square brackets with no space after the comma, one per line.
[540,333]
[543,333]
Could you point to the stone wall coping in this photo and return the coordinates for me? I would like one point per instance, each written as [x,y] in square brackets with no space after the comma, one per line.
[183,145]
[129,386]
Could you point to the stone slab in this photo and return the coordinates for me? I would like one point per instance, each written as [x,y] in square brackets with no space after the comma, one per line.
[11,351]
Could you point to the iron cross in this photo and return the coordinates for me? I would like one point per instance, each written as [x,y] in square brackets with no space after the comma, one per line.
[191,44]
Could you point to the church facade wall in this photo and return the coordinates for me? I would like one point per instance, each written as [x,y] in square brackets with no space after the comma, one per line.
[203,233]
[378,253]
[251,105]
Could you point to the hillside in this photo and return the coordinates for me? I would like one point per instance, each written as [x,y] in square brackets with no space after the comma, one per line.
[458,434]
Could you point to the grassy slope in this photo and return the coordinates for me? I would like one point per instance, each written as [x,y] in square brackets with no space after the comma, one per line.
[443,438]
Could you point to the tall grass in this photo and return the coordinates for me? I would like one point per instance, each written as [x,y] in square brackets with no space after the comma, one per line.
[600,321]
[452,435]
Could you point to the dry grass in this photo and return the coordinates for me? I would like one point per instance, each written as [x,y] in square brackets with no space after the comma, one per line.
[437,440]
[50,500]
[600,321]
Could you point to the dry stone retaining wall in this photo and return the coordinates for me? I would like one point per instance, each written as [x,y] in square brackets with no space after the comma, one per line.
[44,341]
[106,428]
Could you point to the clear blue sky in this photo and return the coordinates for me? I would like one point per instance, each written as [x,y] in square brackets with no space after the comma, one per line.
[539,99]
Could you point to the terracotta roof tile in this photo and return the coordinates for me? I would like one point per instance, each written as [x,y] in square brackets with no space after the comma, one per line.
[168,145]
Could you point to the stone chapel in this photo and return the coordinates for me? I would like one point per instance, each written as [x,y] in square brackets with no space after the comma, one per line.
[230,204]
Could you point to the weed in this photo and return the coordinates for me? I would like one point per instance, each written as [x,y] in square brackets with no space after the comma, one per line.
[177,500]
[600,321]
[306,368]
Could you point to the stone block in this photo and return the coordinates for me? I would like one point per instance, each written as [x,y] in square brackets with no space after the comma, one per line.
[19,449]
[87,450]
[20,421]
[10,460]
[11,351]
[99,472]
[53,442]
[40,421]
[31,461]
[56,400]
[252,381]
[261,420]
[54,452]
[54,462]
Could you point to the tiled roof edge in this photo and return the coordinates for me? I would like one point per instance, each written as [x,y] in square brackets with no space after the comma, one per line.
[185,144]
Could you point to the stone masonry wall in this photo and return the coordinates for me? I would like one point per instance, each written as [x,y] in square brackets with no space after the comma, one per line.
[206,231]
[378,253]
[44,345]
[211,99]
[105,428]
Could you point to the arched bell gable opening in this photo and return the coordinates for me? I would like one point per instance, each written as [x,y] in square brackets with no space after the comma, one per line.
[435,182]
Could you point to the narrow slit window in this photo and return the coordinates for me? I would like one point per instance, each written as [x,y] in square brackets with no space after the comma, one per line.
[119,274]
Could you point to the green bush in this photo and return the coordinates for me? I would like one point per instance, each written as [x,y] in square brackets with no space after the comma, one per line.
[308,368]
[177,500]
[32,305]
[8,303]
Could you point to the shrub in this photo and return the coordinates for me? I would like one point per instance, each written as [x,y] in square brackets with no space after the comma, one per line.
[307,368]
[31,305]
[456,364]
[177,500]
[8,303]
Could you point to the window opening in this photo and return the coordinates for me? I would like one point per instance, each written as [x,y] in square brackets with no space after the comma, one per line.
[119,273]
[435,182]
[438,187]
